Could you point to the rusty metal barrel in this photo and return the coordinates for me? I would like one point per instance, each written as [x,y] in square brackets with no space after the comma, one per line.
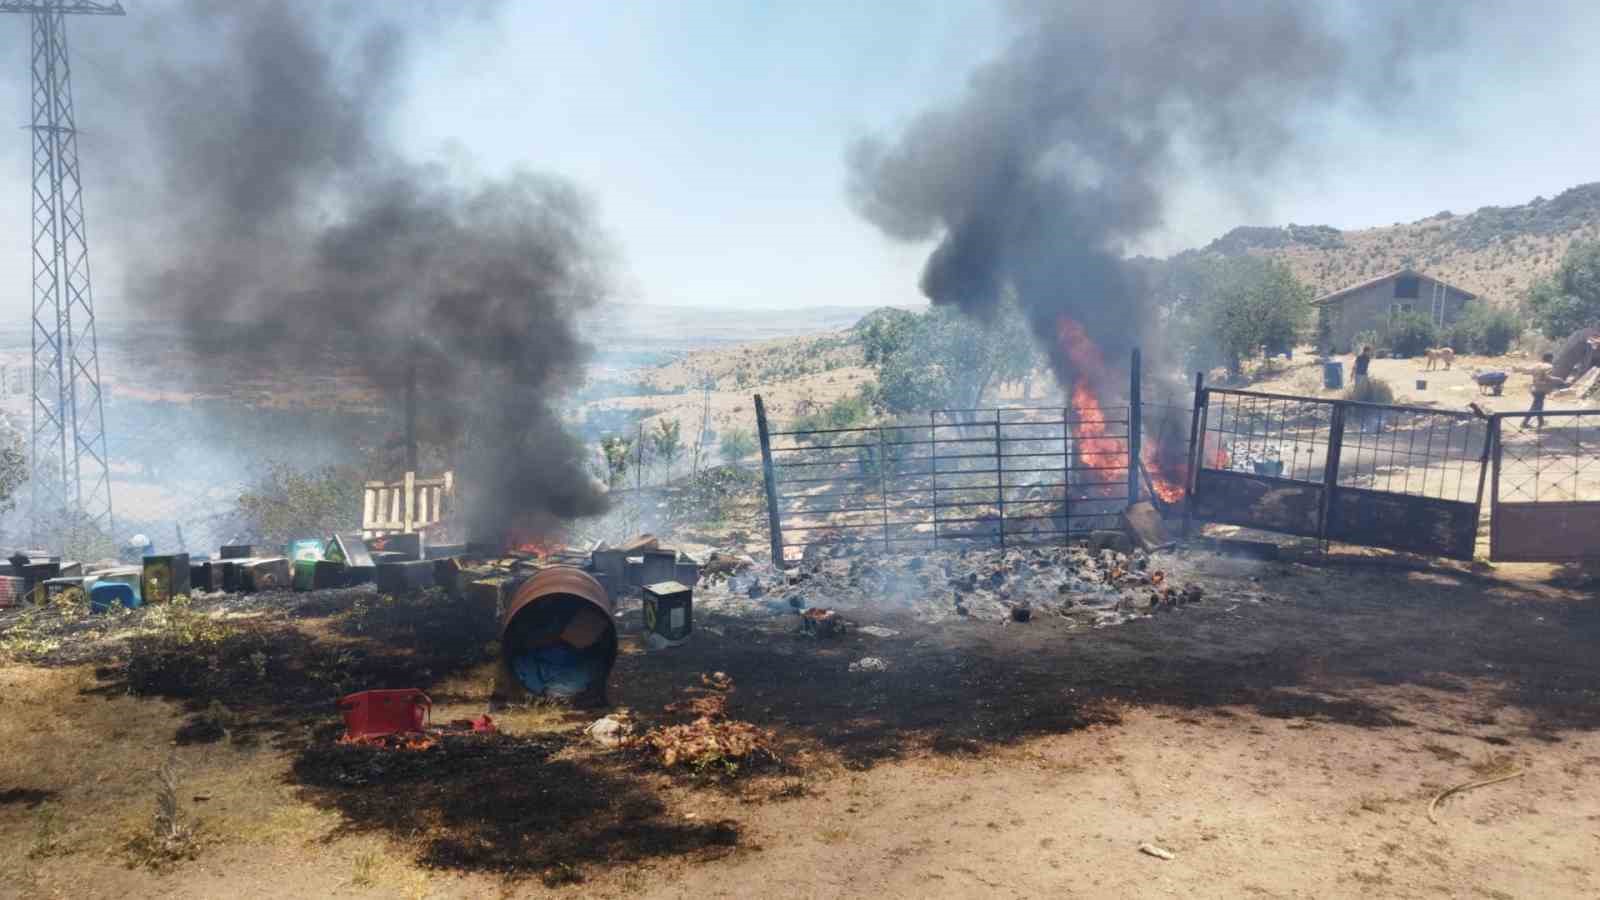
[558,637]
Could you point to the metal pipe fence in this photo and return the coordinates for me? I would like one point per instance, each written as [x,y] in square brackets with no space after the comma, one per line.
[968,477]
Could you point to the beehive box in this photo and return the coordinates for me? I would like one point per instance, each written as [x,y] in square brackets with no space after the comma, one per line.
[164,577]
[264,575]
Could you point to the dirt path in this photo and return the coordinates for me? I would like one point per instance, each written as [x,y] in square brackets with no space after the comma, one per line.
[1249,805]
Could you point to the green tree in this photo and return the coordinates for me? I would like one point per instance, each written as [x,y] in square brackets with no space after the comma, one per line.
[1569,299]
[287,503]
[942,358]
[1410,333]
[1231,306]
[667,442]
[13,465]
[617,453]
[736,444]
[1484,329]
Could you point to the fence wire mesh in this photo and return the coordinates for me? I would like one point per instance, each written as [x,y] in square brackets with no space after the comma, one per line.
[1415,452]
[1262,434]
[977,476]
[1554,458]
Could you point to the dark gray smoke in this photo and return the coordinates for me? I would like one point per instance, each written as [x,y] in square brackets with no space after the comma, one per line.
[281,204]
[1059,154]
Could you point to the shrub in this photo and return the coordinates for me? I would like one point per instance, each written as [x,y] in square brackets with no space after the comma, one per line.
[1569,299]
[736,444]
[286,503]
[1410,333]
[1484,330]
[1372,390]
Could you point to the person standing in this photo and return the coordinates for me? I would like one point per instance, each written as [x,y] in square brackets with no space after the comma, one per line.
[1363,360]
[1544,381]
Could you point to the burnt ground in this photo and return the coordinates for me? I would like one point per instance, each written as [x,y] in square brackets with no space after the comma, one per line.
[1456,656]
[1306,644]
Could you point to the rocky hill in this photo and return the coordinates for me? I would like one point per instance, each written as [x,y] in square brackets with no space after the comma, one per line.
[1496,251]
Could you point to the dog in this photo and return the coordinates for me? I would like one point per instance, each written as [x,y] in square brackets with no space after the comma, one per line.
[1438,355]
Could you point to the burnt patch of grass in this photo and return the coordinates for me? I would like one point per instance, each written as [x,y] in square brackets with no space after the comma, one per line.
[503,804]
[258,676]
[30,798]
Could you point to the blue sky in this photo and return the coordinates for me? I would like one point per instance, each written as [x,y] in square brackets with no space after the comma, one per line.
[712,135]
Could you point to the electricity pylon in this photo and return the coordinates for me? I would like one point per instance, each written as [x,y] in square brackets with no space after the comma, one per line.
[70,480]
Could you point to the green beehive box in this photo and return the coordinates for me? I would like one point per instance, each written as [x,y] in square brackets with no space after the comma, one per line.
[305,573]
[316,574]
[304,549]
[349,549]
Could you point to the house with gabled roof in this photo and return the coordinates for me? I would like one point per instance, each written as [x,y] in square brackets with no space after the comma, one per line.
[1372,305]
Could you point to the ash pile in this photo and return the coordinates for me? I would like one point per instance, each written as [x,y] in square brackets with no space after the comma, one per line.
[1092,585]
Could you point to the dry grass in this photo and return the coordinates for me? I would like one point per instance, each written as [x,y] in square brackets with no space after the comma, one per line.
[1501,271]
[1493,764]
[171,836]
[712,744]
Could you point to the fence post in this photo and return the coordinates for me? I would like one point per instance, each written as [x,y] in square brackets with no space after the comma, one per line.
[883,488]
[933,454]
[999,479]
[1066,474]
[1193,471]
[1135,429]
[1330,472]
[408,500]
[769,476]
[1491,457]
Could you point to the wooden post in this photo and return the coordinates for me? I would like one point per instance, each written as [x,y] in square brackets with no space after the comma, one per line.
[1135,429]
[411,412]
[1196,449]
[769,476]
[408,499]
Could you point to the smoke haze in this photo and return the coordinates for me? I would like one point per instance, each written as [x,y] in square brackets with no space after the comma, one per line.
[280,203]
[1059,154]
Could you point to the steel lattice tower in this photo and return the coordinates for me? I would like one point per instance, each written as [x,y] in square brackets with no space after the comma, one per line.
[67,460]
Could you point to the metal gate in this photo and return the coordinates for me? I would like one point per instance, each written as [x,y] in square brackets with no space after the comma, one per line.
[1545,501]
[1402,477]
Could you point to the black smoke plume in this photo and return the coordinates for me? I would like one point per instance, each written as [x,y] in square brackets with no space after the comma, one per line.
[1060,152]
[280,203]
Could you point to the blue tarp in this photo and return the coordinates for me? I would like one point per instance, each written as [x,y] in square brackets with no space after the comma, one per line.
[560,671]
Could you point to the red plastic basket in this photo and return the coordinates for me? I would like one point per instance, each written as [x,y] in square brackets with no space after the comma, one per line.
[385,712]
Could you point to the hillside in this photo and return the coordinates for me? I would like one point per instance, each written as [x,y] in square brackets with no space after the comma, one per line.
[1496,252]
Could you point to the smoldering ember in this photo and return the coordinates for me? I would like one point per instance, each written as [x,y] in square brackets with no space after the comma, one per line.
[761,451]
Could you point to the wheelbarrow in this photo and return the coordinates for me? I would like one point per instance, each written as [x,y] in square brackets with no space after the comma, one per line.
[1490,382]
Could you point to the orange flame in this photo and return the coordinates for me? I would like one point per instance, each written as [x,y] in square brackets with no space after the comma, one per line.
[523,541]
[1220,459]
[1097,450]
